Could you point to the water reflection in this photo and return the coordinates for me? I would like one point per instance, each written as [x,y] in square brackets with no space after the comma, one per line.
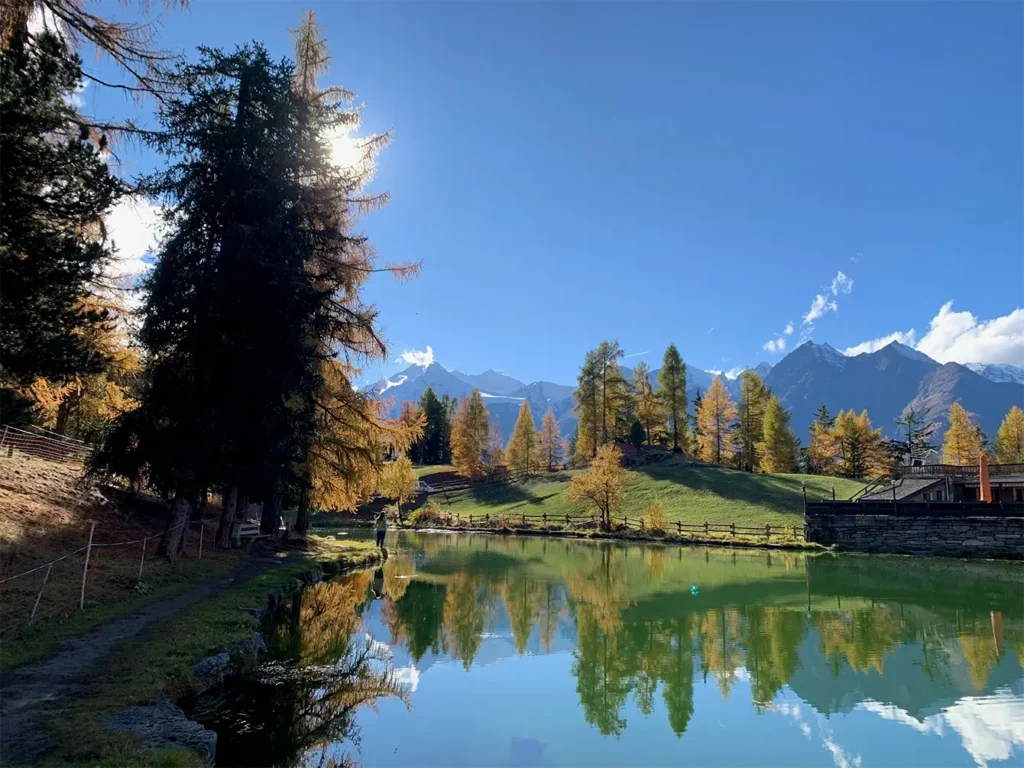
[933,646]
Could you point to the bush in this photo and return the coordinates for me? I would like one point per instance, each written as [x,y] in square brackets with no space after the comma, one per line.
[655,518]
[429,514]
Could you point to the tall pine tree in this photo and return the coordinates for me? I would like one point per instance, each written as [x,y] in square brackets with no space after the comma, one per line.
[672,378]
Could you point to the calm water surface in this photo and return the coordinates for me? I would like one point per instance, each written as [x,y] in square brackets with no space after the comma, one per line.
[487,651]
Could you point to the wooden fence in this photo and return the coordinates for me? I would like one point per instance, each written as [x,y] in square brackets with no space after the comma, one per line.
[956,470]
[544,521]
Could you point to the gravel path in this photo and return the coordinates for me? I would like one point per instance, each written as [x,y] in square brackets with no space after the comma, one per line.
[32,691]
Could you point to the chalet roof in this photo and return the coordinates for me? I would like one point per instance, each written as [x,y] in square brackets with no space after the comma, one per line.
[908,486]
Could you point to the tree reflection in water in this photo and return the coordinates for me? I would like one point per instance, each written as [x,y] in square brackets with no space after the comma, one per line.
[301,709]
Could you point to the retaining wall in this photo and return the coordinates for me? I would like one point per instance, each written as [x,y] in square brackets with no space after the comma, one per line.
[967,530]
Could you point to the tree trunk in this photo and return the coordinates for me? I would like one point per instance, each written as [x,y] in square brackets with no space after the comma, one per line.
[271,510]
[63,412]
[227,517]
[170,544]
[302,514]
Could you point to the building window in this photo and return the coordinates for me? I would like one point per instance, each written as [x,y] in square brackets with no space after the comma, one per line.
[926,496]
[938,495]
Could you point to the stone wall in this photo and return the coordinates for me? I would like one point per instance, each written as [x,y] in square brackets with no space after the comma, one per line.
[903,532]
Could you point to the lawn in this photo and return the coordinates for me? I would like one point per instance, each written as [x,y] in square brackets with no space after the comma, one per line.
[432,469]
[690,494]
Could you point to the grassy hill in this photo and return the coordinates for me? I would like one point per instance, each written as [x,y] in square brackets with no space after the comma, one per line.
[691,494]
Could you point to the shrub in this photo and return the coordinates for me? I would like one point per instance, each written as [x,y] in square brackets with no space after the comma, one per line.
[655,518]
[429,514]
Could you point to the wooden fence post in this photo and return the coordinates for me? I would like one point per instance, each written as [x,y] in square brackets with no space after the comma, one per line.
[524,518]
[679,527]
[142,559]
[732,528]
[567,519]
[202,530]
[545,519]
[767,530]
[85,570]
[470,519]
[641,523]
[40,595]
[705,527]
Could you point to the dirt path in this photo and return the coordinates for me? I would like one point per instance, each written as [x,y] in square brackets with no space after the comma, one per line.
[32,691]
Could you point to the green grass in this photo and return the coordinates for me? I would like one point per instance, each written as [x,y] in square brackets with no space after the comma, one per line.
[161,657]
[690,494]
[430,469]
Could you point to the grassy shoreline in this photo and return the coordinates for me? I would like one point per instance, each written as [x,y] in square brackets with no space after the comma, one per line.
[160,659]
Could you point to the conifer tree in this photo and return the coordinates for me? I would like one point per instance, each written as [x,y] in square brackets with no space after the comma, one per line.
[613,388]
[715,418]
[777,449]
[586,399]
[862,452]
[672,378]
[648,405]
[398,481]
[698,400]
[602,485]
[916,434]
[56,190]
[432,447]
[963,442]
[1009,444]
[470,429]
[822,450]
[550,442]
[522,451]
[754,398]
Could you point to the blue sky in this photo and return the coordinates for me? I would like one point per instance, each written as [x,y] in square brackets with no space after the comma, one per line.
[696,173]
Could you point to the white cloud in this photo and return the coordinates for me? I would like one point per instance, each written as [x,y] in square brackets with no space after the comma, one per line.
[42,20]
[961,337]
[388,384]
[841,284]
[778,344]
[824,302]
[416,357]
[819,307]
[873,345]
[710,331]
[135,227]
[409,676]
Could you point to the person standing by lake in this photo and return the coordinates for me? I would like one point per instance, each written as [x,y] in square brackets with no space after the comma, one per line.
[381,525]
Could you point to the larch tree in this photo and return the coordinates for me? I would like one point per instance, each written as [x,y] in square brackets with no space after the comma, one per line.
[601,486]
[754,398]
[495,449]
[470,430]
[822,451]
[862,451]
[672,379]
[550,442]
[586,398]
[963,442]
[521,452]
[777,448]
[613,388]
[648,407]
[715,419]
[1009,445]
[398,481]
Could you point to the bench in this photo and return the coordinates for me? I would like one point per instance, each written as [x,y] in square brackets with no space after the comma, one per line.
[250,531]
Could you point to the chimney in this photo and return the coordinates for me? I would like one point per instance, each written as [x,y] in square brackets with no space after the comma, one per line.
[984,486]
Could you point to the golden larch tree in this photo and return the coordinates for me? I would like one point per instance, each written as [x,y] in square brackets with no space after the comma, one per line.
[862,451]
[470,430]
[398,481]
[715,424]
[522,446]
[1010,438]
[776,451]
[601,486]
[753,402]
[550,440]
[647,404]
[962,444]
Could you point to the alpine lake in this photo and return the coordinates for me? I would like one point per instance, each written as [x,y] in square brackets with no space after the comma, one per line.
[477,650]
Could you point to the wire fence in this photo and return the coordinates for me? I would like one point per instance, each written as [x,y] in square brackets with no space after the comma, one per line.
[43,445]
[706,531]
[96,573]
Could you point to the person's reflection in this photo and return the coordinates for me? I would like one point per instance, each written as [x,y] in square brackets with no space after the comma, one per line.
[377,587]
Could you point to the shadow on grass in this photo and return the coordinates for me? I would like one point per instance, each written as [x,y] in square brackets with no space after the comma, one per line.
[733,484]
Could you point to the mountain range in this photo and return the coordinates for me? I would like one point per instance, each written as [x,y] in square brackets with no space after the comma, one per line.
[885,382]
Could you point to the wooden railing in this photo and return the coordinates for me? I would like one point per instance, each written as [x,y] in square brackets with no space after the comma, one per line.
[543,521]
[957,470]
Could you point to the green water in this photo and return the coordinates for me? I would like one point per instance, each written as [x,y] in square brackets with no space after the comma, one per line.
[474,650]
